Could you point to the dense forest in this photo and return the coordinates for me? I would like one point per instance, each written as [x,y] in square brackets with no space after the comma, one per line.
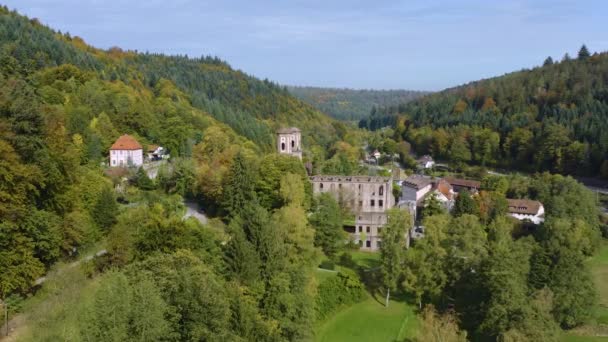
[352,104]
[63,103]
[250,270]
[549,118]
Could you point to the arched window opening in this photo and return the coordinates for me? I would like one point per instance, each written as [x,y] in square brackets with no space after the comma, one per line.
[282,146]
[321,186]
[293,143]
[381,190]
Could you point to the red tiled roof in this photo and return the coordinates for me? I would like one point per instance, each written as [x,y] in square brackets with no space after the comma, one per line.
[126,142]
[445,188]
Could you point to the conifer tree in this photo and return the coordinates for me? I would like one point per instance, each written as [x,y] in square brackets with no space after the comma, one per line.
[583,53]
[239,187]
[105,210]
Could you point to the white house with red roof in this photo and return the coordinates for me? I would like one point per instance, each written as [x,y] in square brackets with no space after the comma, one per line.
[126,151]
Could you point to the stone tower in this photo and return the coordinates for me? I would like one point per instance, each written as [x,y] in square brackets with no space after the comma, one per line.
[289,141]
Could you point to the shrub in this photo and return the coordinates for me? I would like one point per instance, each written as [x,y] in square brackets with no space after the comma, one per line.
[343,289]
[327,265]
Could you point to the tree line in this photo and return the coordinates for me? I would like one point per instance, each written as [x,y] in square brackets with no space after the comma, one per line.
[549,118]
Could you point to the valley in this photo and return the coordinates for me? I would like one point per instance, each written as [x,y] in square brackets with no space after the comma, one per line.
[156,197]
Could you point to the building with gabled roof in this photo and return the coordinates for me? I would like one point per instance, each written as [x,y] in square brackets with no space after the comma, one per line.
[525,209]
[461,184]
[126,151]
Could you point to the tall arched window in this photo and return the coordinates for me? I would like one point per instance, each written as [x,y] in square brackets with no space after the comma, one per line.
[293,143]
[381,190]
[321,186]
[282,146]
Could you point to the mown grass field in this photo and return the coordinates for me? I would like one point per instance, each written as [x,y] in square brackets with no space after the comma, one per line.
[599,268]
[369,320]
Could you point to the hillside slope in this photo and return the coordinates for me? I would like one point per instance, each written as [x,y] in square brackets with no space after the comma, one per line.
[552,118]
[252,107]
[352,104]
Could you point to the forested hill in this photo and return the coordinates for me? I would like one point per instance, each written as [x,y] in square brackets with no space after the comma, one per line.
[352,104]
[252,107]
[553,117]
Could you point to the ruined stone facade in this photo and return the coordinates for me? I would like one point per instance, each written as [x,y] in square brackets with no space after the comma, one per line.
[289,141]
[367,196]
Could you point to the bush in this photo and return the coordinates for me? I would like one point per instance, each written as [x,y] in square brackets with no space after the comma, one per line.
[327,265]
[346,260]
[344,289]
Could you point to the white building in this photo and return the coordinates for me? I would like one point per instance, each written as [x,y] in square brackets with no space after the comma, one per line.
[426,162]
[445,194]
[289,141]
[126,151]
[523,209]
[414,188]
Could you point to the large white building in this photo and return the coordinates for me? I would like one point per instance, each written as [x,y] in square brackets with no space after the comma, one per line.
[523,209]
[367,196]
[126,151]
[414,188]
[289,141]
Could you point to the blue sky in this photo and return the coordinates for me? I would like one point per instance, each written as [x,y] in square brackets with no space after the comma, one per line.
[426,45]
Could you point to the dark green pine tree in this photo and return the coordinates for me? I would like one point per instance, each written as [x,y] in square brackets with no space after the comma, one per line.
[327,221]
[143,181]
[583,53]
[239,189]
[465,204]
[548,61]
[106,209]
[241,256]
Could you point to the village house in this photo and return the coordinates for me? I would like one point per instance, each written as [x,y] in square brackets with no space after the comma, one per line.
[524,209]
[425,162]
[464,184]
[414,188]
[445,194]
[289,141]
[367,196]
[126,151]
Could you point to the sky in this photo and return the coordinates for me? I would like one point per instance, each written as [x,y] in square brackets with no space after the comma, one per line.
[370,44]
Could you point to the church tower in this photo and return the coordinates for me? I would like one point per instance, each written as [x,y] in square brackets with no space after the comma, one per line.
[289,141]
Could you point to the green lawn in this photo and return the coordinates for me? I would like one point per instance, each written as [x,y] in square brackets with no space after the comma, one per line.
[366,259]
[599,268]
[370,321]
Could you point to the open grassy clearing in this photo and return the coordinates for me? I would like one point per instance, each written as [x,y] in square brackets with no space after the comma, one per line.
[599,268]
[368,320]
